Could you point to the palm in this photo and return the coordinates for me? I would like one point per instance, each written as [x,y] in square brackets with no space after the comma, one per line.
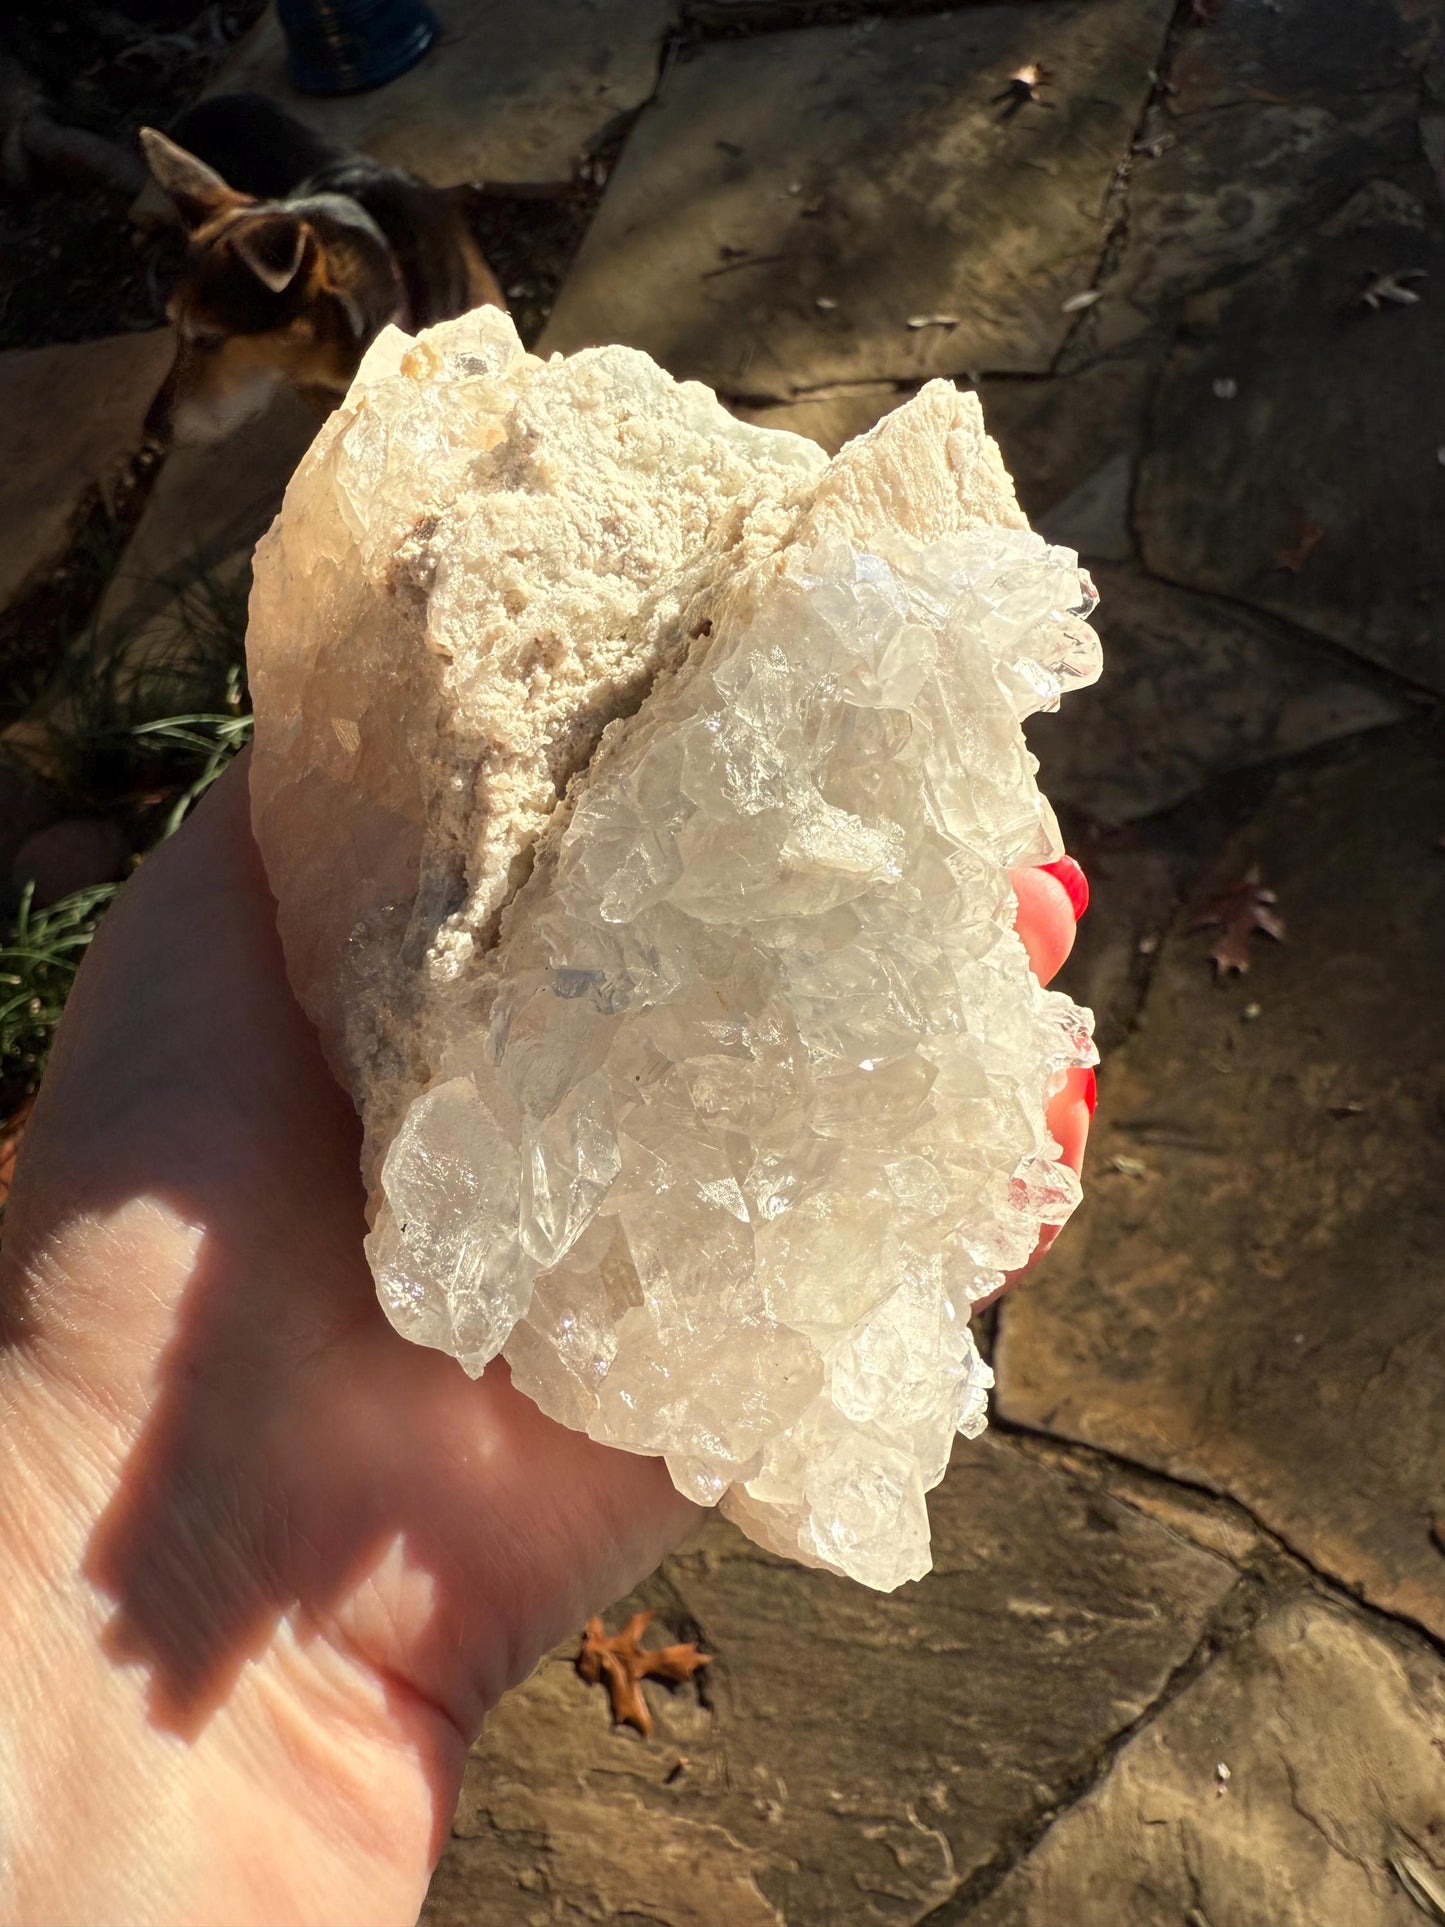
[288,1464]
[286,1455]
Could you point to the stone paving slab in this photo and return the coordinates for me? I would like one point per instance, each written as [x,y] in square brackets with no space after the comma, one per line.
[1211,1522]
[1332,1737]
[873,167]
[835,416]
[71,417]
[1137,880]
[1233,189]
[858,1756]
[1193,688]
[510,93]
[1073,445]
[1298,50]
[1061,438]
[1271,117]
[1251,1295]
[1295,459]
[209,506]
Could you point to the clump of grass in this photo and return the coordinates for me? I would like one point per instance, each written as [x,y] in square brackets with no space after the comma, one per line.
[195,748]
[38,962]
[141,719]
[41,952]
[140,745]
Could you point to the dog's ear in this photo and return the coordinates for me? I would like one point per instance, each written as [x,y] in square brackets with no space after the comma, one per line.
[198,191]
[273,246]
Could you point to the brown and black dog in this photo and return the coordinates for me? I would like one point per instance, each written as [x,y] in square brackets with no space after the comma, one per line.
[299,253]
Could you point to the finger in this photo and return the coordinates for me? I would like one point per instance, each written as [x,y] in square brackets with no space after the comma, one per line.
[1069,1111]
[1069,871]
[1045,922]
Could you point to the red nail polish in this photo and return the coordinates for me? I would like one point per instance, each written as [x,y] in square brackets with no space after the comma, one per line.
[1091,1089]
[1074,881]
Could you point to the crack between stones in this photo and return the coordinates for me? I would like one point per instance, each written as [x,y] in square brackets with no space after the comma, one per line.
[1142,983]
[901,385]
[673,43]
[1339,653]
[1114,241]
[1406,88]
[825,391]
[1260,1583]
[1165,329]
[699,29]
[1116,200]
[1314,1822]
[1031,1437]
[1234,1616]
[1118,197]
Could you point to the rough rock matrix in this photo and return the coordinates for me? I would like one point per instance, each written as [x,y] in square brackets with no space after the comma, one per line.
[639,791]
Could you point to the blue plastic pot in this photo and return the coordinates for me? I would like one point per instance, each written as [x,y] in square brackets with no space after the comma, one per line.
[346,46]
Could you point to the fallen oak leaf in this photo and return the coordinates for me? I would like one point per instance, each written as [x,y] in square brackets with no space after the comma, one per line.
[620,1662]
[1237,912]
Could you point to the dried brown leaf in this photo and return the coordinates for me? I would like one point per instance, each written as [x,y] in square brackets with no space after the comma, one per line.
[1238,911]
[620,1662]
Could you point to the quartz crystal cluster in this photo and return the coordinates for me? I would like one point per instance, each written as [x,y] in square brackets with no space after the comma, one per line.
[639,791]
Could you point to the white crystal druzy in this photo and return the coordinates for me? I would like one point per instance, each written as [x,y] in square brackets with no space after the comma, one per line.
[717,1119]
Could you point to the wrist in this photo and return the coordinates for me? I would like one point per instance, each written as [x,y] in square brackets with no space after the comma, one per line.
[303,1786]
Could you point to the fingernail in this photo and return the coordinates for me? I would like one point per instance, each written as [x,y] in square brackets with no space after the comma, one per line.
[1074,881]
[1091,1088]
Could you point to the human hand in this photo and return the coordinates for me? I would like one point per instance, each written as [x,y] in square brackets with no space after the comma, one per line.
[268,1562]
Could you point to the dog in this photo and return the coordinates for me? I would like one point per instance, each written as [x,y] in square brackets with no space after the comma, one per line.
[298,254]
